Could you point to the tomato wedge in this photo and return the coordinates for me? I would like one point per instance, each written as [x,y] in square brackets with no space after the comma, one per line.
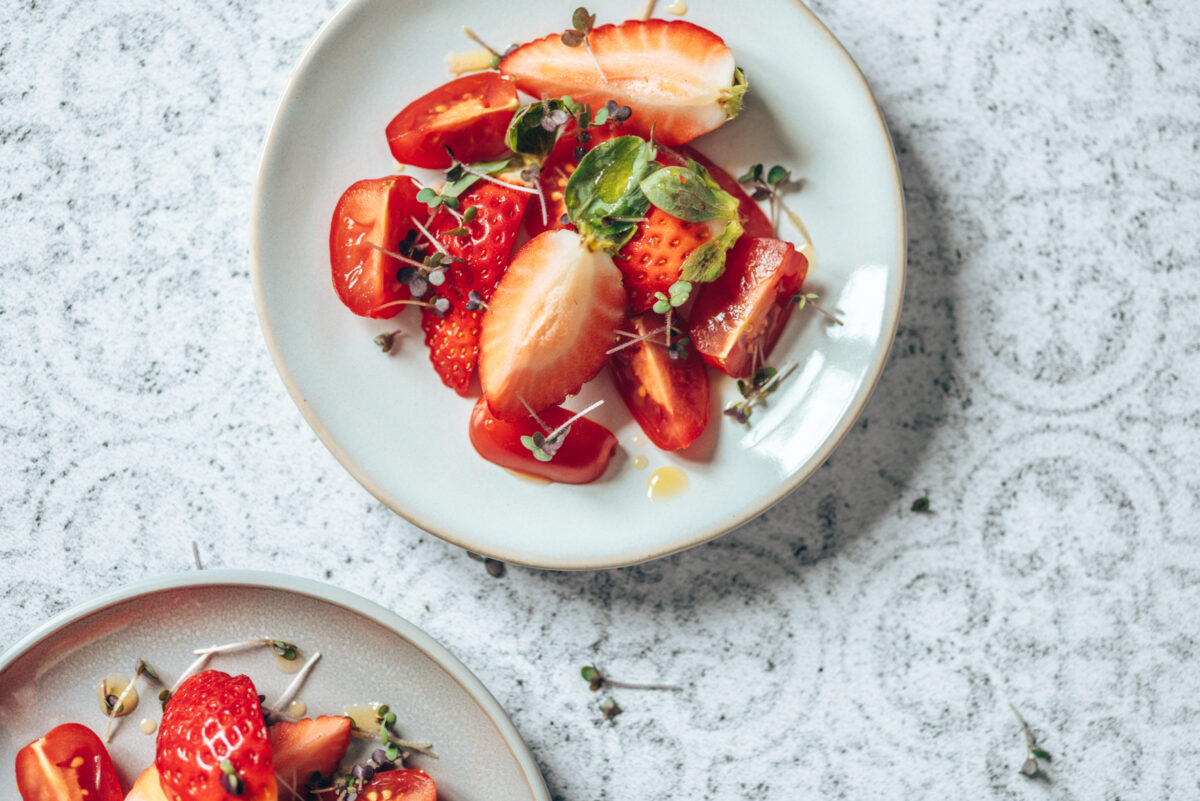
[581,458]
[470,115]
[667,396]
[738,318]
[372,212]
[68,764]
[400,785]
[753,218]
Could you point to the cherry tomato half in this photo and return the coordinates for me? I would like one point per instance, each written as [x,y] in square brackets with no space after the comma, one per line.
[68,764]
[667,396]
[470,115]
[400,785]
[738,318]
[581,458]
[372,212]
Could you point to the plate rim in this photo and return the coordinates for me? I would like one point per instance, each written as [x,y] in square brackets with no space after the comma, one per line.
[891,322]
[315,590]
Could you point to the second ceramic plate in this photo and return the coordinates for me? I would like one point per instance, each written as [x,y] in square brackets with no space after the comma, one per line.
[369,655]
[404,436]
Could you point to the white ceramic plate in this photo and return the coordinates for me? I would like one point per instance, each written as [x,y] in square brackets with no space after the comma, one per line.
[404,436]
[368,655]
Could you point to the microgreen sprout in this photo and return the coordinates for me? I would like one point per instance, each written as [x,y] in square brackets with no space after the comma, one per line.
[765,381]
[678,295]
[286,650]
[231,780]
[494,567]
[474,37]
[1030,767]
[770,185]
[582,23]
[803,299]
[387,340]
[297,682]
[438,305]
[609,709]
[596,680]
[921,505]
[544,446]
[115,704]
[475,301]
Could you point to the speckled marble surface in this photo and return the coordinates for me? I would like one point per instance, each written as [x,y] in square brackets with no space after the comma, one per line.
[1042,392]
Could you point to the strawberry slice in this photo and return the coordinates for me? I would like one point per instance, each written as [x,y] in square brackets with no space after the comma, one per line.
[308,746]
[678,77]
[453,338]
[549,324]
[213,739]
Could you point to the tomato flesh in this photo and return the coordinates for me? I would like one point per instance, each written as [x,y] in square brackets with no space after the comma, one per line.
[68,764]
[372,212]
[668,397]
[582,457]
[400,785]
[737,319]
[469,115]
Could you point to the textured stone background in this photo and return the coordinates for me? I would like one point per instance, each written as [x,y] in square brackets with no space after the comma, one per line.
[1042,392]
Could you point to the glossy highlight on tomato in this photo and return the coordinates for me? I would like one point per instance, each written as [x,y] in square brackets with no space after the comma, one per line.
[738,318]
[68,764]
[667,396]
[374,211]
[469,115]
[582,457]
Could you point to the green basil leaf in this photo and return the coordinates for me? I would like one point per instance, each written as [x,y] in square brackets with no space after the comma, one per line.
[606,185]
[455,188]
[688,193]
[525,133]
[707,262]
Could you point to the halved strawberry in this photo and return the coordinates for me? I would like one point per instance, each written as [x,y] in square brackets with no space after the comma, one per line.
[549,324]
[308,746]
[213,738]
[453,338]
[678,77]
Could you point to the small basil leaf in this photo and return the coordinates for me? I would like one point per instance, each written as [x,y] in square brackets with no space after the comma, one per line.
[527,135]
[707,262]
[684,193]
[606,185]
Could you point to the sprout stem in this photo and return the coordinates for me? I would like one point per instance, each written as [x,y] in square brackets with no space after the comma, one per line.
[398,257]
[297,682]
[429,236]
[566,425]
[474,37]
[636,338]
[498,182]
[533,414]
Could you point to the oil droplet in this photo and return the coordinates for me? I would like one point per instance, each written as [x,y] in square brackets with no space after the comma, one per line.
[639,462]
[115,684]
[289,666]
[638,439]
[297,709]
[147,725]
[678,8]
[363,716]
[665,483]
[530,477]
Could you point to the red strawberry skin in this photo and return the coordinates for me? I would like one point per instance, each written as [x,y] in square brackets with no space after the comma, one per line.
[653,259]
[213,717]
[453,340]
[671,73]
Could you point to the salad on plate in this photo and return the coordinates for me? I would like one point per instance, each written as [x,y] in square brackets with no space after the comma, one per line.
[571,227]
[219,740]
